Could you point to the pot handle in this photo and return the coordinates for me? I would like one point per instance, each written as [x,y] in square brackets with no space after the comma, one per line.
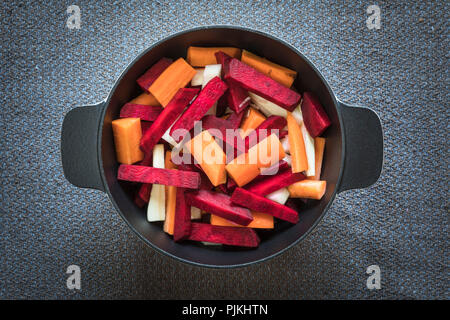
[363,136]
[79,142]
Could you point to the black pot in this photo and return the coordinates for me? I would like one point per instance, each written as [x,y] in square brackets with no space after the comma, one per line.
[353,153]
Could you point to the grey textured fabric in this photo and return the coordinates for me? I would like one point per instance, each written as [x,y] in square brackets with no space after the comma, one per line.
[400,224]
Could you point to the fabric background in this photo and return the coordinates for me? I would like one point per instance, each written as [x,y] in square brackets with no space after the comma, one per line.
[400,224]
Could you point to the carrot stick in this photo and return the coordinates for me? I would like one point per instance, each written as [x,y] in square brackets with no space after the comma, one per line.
[127,135]
[278,73]
[319,147]
[176,76]
[267,152]
[171,198]
[146,99]
[308,189]
[210,156]
[296,145]
[241,170]
[252,121]
[202,56]
[260,221]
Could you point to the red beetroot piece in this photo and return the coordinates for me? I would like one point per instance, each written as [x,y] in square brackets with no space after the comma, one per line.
[269,184]
[236,96]
[145,125]
[147,79]
[254,81]
[235,119]
[182,221]
[205,182]
[219,204]
[146,113]
[314,116]
[258,203]
[204,101]
[144,193]
[165,120]
[214,124]
[275,123]
[168,177]
[233,236]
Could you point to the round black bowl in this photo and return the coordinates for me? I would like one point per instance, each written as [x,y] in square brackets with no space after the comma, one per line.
[353,154]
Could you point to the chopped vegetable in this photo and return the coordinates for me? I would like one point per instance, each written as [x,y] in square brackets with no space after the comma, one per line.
[258,203]
[182,223]
[233,236]
[143,174]
[319,147]
[145,125]
[171,198]
[176,76]
[278,73]
[202,56]
[260,221]
[308,189]
[219,204]
[146,99]
[266,107]
[235,119]
[156,209]
[241,170]
[197,80]
[147,79]
[251,121]
[204,101]
[143,194]
[285,144]
[143,112]
[267,152]
[127,134]
[315,118]
[275,123]
[210,156]
[211,71]
[269,184]
[309,148]
[280,196]
[296,145]
[167,118]
[236,96]
[307,140]
[196,213]
[254,81]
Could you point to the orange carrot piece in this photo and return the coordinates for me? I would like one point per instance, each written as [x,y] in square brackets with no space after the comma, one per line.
[267,152]
[145,99]
[251,121]
[260,221]
[176,76]
[241,170]
[210,156]
[308,189]
[278,73]
[127,136]
[171,197]
[203,56]
[319,147]
[296,145]
[168,164]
